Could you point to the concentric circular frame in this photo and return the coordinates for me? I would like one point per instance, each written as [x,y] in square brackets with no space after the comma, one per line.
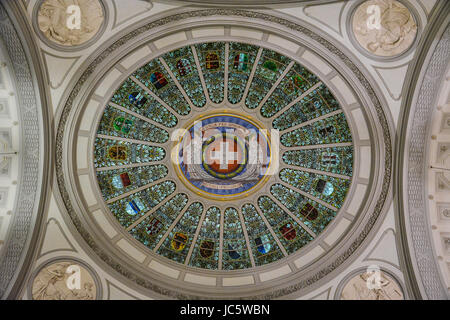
[340,287]
[92,272]
[305,277]
[61,47]
[365,52]
[185,121]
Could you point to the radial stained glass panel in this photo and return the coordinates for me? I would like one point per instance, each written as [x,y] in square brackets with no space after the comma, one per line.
[235,252]
[326,131]
[264,247]
[129,209]
[329,189]
[156,78]
[240,65]
[228,212]
[270,67]
[182,63]
[314,215]
[206,250]
[335,159]
[178,242]
[212,60]
[152,228]
[109,153]
[121,124]
[293,85]
[132,97]
[115,182]
[290,233]
[317,103]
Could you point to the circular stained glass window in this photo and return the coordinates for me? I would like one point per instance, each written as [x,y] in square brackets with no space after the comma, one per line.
[223,156]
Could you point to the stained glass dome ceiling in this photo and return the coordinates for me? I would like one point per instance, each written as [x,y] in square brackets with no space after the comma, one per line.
[231,214]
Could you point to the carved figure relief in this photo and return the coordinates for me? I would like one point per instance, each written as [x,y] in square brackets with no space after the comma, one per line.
[372,286]
[446,213]
[65,280]
[70,22]
[384,27]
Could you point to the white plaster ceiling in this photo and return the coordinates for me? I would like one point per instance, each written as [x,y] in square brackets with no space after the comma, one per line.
[63,66]
[439,179]
[9,144]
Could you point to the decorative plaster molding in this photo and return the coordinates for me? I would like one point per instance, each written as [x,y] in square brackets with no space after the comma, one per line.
[431,65]
[251,3]
[91,277]
[54,44]
[112,287]
[384,123]
[413,45]
[324,295]
[28,201]
[355,273]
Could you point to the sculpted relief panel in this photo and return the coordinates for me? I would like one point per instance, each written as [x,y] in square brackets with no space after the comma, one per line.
[384,28]
[70,22]
[64,280]
[372,285]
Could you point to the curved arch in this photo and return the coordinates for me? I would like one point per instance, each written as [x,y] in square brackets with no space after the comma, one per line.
[34,183]
[429,67]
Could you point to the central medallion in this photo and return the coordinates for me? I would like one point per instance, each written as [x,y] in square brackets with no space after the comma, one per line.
[223,156]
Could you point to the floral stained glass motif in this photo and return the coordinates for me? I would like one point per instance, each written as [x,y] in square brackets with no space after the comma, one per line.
[240,64]
[177,244]
[270,67]
[130,208]
[115,182]
[326,131]
[264,247]
[206,251]
[212,61]
[314,215]
[291,234]
[182,63]
[235,253]
[109,153]
[317,103]
[329,189]
[152,228]
[120,124]
[155,77]
[335,160]
[132,97]
[297,81]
